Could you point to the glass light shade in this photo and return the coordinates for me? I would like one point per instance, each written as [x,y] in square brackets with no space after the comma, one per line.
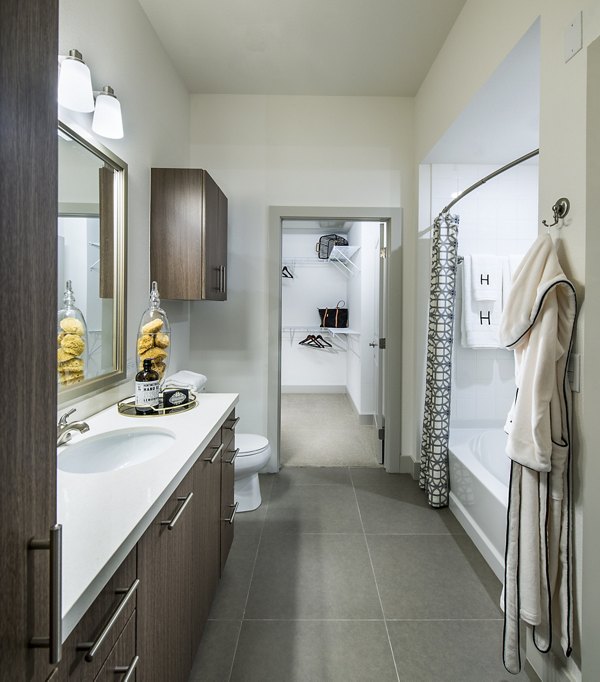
[75,86]
[107,120]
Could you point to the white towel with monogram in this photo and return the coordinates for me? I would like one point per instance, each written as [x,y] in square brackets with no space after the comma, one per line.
[486,277]
[480,320]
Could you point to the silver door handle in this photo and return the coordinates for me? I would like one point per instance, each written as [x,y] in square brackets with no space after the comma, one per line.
[235,454]
[235,507]
[92,647]
[128,670]
[170,523]
[213,459]
[54,639]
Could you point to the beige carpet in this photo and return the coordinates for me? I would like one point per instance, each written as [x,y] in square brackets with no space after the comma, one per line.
[322,429]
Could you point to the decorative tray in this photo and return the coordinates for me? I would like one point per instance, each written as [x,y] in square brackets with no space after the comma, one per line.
[126,407]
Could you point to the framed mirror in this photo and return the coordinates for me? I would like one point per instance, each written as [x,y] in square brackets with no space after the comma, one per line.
[92,297]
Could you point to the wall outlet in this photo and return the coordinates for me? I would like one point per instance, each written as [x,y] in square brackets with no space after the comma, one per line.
[574,372]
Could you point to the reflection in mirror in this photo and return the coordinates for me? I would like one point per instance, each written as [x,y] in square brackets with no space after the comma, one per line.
[91,256]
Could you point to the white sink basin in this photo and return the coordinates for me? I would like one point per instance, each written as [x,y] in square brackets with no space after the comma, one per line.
[114,450]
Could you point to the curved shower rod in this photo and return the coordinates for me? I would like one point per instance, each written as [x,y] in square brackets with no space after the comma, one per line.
[516,162]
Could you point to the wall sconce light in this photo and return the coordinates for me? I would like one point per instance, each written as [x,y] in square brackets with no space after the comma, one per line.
[75,93]
[75,84]
[107,120]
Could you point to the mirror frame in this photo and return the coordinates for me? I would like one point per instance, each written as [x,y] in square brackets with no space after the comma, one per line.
[119,373]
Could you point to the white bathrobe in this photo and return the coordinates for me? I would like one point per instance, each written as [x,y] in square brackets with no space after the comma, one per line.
[537,323]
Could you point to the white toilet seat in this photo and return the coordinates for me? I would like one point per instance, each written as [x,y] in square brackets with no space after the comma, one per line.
[250,444]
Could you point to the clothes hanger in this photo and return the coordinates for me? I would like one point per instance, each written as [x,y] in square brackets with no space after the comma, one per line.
[321,339]
[286,273]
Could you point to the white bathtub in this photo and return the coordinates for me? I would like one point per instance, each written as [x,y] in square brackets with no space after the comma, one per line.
[479,477]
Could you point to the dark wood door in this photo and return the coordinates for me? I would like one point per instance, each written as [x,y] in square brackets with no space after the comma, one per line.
[227,500]
[28,214]
[214,261]
[164,599]
[205,552]
[176,232]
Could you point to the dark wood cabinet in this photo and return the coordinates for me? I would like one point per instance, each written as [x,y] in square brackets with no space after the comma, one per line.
[164,611]
[188,235]
[28,210]
[152,612]
[228,507]
[206,537]
[179,569]
[88,646]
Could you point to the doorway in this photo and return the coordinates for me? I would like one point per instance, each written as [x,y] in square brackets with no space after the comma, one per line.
[315,376]
[332,348]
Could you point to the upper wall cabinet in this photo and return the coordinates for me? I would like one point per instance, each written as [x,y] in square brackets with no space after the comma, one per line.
[188,235]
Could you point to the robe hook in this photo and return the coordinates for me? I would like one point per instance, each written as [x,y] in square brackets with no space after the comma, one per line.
[560,210]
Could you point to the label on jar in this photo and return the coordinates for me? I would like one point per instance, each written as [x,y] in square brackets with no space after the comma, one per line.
[146,393]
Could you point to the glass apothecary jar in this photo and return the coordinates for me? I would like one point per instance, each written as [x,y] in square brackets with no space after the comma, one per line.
[71,341]
[154,336]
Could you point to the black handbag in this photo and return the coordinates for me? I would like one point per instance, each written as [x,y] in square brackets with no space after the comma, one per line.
[326,243]
[336,318]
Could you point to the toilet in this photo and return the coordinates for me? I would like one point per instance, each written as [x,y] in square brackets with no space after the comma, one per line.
[254,453]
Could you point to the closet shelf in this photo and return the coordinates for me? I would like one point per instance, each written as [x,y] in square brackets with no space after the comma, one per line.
[334,331]
[341,257]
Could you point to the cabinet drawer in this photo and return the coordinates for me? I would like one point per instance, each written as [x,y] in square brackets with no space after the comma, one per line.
[228,429]
[122,661]
[95,628]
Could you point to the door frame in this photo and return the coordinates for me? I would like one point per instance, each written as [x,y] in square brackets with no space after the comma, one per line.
[392,217]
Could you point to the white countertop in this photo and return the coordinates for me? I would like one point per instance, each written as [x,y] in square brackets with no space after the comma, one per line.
[104,514]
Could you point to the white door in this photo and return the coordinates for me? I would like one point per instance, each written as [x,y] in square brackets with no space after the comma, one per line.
[378,339]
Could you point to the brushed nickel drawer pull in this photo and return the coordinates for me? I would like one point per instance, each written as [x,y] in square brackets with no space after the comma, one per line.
[93,647]
[170,523]
[235,507]
[128,670]
[235,454]
[214,458]
[54,640]
[233,424]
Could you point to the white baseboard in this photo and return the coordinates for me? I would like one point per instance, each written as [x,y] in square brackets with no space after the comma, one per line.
[313,389]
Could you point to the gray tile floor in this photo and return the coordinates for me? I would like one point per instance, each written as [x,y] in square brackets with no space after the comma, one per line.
[323,429]
[346,574]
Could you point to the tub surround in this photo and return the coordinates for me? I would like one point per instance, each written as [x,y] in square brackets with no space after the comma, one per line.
[479,473]
[105,514]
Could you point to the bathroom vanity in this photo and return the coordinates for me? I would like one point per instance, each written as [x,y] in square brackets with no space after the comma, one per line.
[144,544]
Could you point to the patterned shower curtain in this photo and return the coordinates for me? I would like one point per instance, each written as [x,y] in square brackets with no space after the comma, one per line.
[436,417]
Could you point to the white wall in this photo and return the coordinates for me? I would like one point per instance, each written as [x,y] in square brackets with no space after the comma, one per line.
[294,151]
[489,29]
[499,218]
[122,50]
[316,284]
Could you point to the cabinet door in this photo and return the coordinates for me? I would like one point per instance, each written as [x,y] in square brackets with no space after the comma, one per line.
[164,601]
[227,496]
[28,200]
[214,242]
[206,515]
[176,249]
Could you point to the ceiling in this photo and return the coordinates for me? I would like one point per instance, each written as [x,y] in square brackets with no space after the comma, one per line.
[303,47]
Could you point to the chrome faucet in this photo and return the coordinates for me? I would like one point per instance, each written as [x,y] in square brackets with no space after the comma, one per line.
[63,430]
